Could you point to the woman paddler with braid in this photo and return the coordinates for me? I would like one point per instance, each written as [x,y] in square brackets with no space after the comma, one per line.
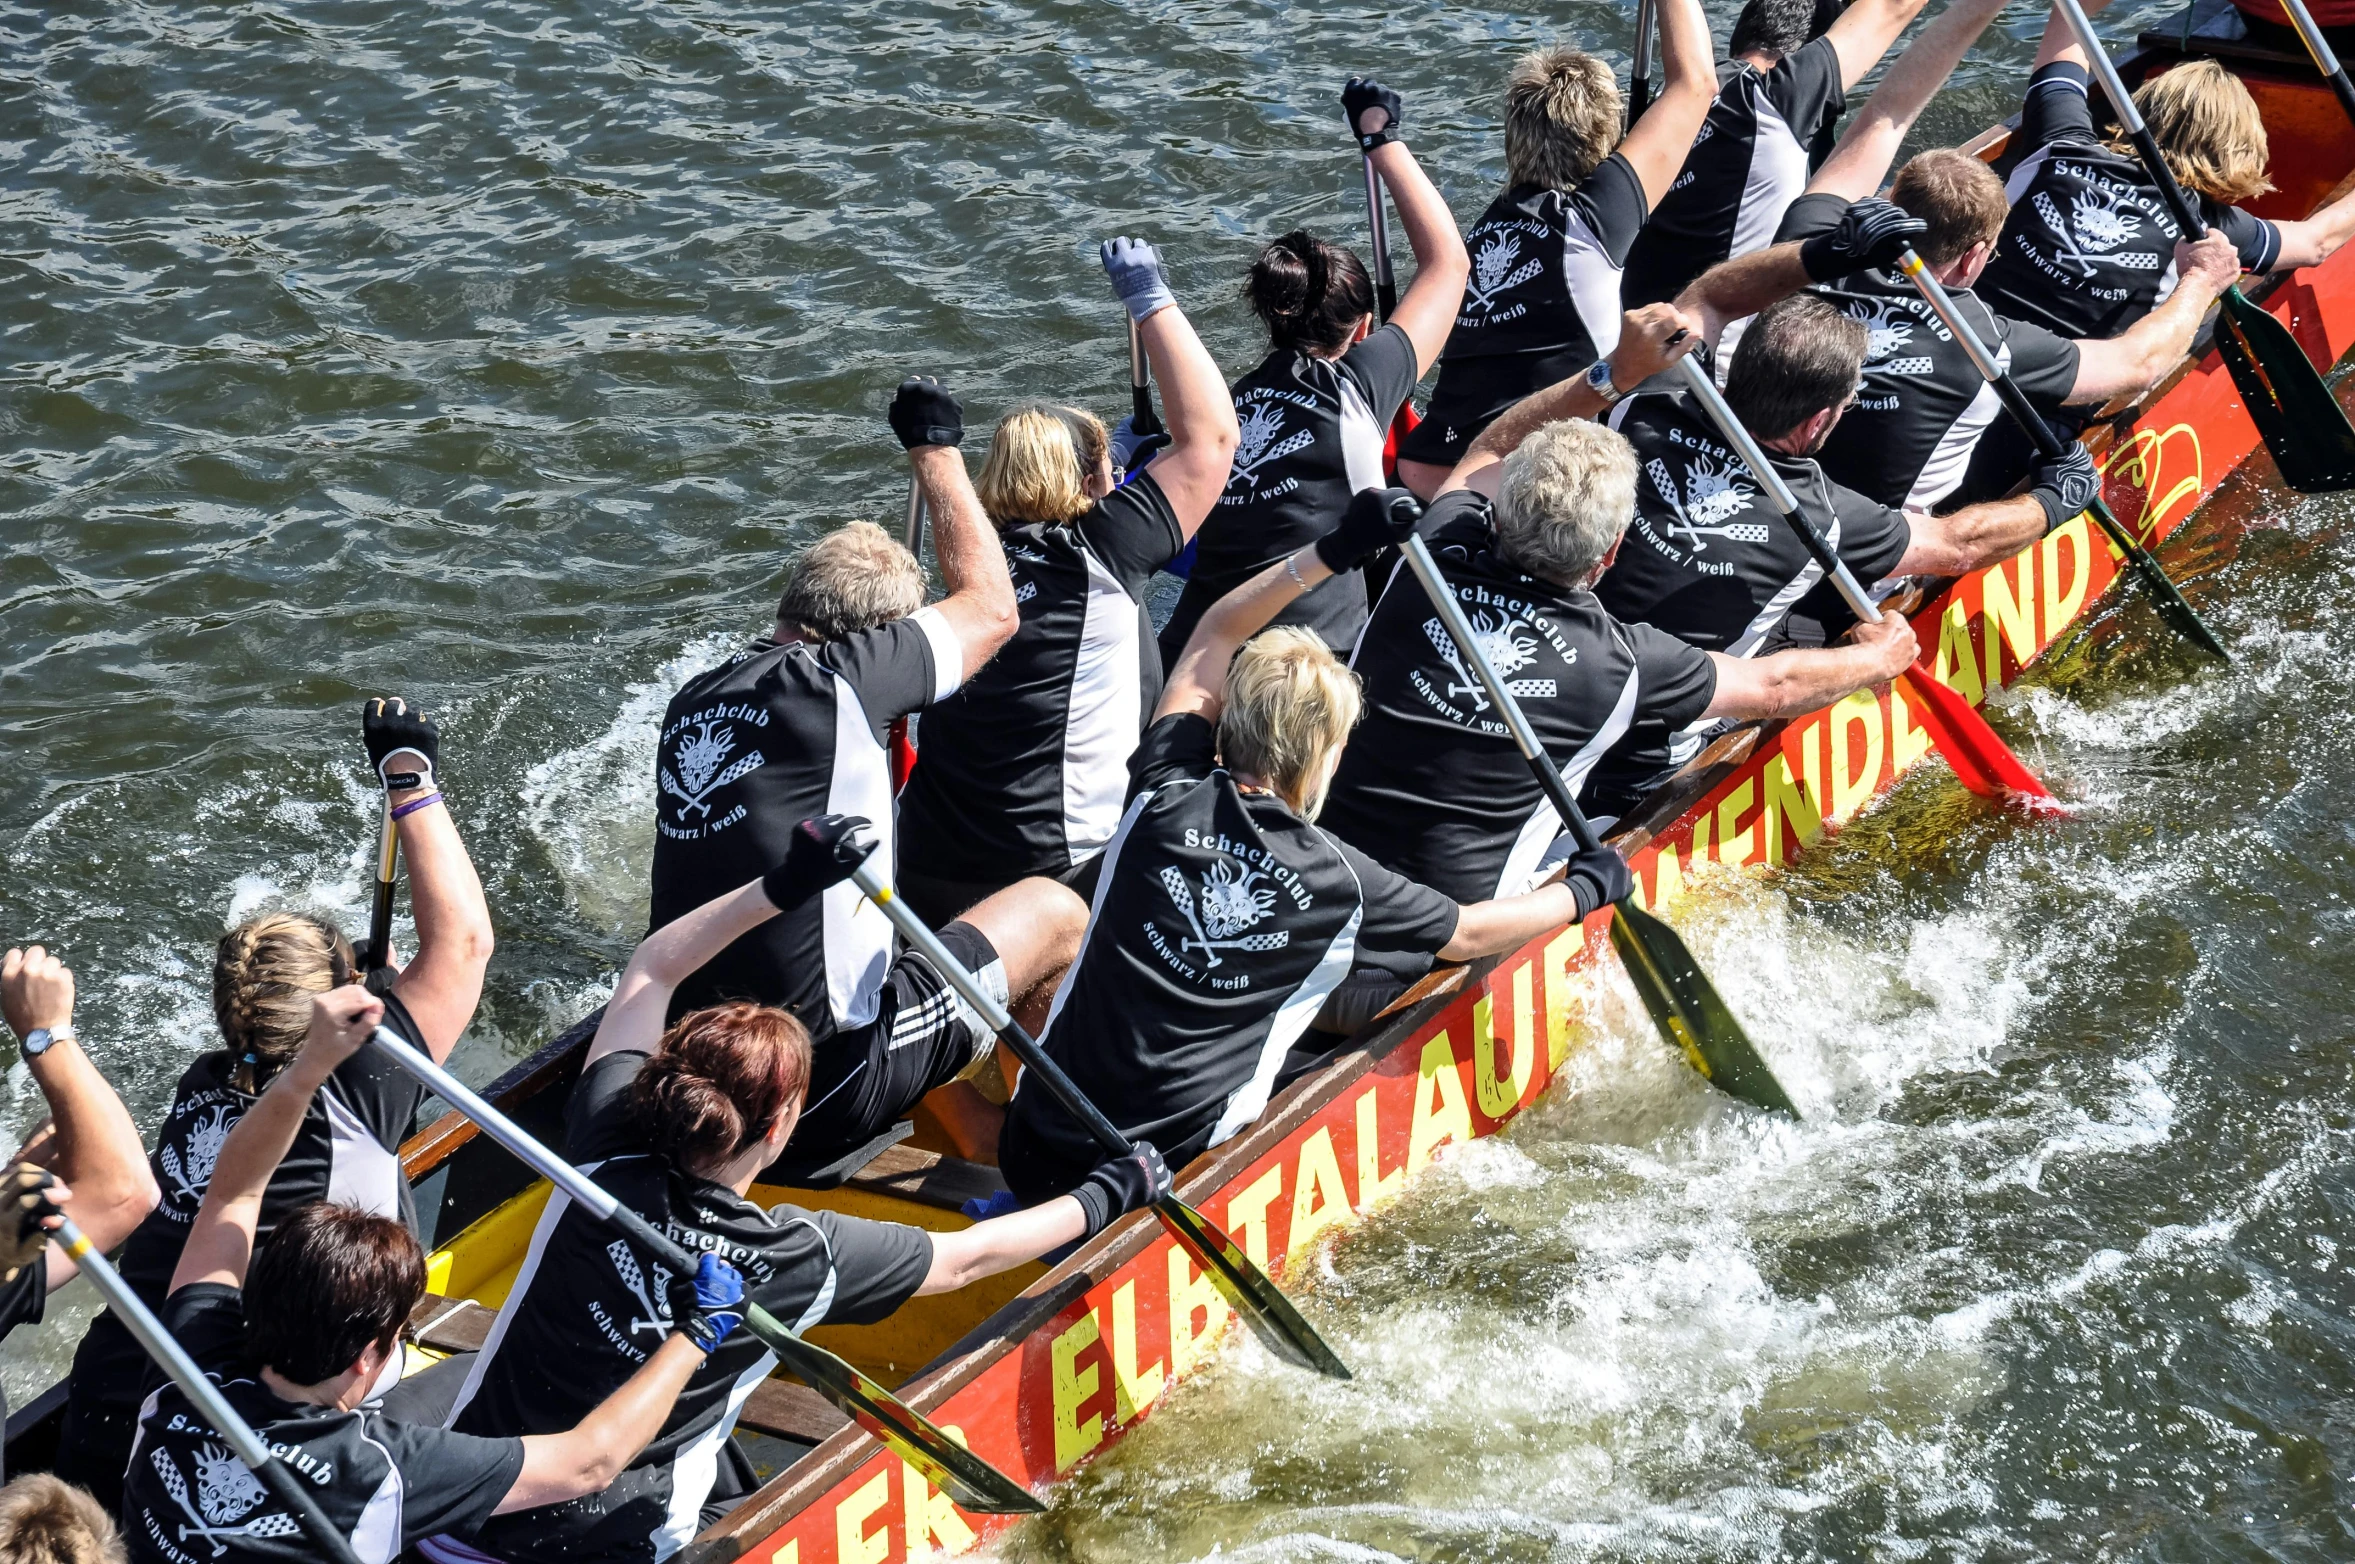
[1315,413]
[266,973]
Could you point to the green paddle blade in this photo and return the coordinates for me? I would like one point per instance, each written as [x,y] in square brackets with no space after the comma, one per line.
[1690,1013]
[1247,1289]
[966,1478]
[2301,422]
[2170,601]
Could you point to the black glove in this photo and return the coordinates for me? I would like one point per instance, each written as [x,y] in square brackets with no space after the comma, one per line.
[388,726]
[1597,879]
[823,852]
[925,414]
[1376,519]
[2065,485]
[1121,1185]
[24,1206]
[1870,235]
[1363,93]
[707,1304]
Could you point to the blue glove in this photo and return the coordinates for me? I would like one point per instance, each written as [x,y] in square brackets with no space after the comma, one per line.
[710,1303]
[1131,450]
[1135,269]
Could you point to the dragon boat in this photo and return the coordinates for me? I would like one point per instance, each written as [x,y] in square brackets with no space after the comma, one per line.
[1043,1368]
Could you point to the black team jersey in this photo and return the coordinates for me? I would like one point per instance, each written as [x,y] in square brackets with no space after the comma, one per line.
[1312,436]
[1221,922]
[1751,159]
[1542,303]
[1432,785]
[2089,248]
[1908,440]
[587,1310]
[1023,770]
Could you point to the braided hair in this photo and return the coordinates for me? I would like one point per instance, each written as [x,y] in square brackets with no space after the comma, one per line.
[266,972]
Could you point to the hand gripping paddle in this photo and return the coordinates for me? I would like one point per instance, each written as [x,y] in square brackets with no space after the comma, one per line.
[1682,1001]
[2301,422]
[1983,762]
[2172,607]
[967,1479]
[1246,1288]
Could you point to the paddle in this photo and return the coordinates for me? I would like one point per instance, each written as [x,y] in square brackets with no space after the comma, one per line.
[911,533]
[1246,1288]
[2324,60]
[972,1482]
[1639,85]
[288,1488]
[1983,761]
[2301,422]
[1402,422]
[1682,1001]
[2048,444]
[380,910]
[1142,419]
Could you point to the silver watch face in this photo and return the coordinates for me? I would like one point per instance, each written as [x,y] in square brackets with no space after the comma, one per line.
[37,1042]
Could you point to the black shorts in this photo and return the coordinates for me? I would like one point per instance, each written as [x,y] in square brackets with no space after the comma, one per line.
[864,1081]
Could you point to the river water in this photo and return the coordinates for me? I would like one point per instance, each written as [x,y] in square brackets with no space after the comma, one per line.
[500,354]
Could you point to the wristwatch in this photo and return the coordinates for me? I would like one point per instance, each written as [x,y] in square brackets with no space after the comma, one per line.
[39,1040]
[1598,380]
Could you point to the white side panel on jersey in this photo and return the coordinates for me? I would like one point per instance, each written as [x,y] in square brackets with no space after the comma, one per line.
[360,1172]
[697,1465]
[1362,438]
[1779,606]
[1778,173]
[1593,280]
[2024,174]
[1284,1029]
[1106,716]
[558,1203]
[948,653]
[1544,823]
[1950,460]
[858,936]
[1104,878]
[377,1538]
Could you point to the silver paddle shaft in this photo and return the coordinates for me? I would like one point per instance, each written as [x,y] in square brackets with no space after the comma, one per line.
[1935,294]
[1140,369]
[1644,19]
[501,1128]
[1778,493]
[1377,223]
[2316,44]
[2107,74]
[912,530]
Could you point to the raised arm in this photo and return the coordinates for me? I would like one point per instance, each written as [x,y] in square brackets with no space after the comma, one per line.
[1650,340]
[2060,44]
[1193,468]
[1871,233]
[2139,357]
[1657,146]
[1864,32]
[1428,312]
[443,982]
[1869,146]
[980,605]
[89,1141]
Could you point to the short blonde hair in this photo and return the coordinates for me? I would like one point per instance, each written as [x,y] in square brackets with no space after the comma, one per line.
[1038,464]
[1290,704]
[852,579]
[1563,498]
[47,1520]
[2209,130]
[1958,196]
[1563,115]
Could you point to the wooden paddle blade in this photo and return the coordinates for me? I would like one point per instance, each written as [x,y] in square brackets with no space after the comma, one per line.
[1979,757]
[1690,1012]
[2301,422]
[969,1481]
[2170,601]
[1247,1289]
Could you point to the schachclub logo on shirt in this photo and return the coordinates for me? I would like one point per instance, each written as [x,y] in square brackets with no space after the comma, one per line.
[187,1159]
[648,1305]
[1240,888]
[1889,327]
[703,753]
[1706,488]
[1512,634]
[2104,215]
[1260,440]
[219,1503]
[1498,267]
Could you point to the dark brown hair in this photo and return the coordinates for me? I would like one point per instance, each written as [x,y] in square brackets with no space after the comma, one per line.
[1780,26]
[1796,358]
[332,1281]
[1958,196]
[719,1079]
[1310,294]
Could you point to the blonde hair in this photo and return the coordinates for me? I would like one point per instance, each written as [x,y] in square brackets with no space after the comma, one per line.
[47,1520]
[1563,498]
[2208,128]
[1562,118]
[852,579]
[1290,704]
[266,972]
[1039,463]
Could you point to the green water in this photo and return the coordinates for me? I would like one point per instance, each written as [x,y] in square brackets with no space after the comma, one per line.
[499,355]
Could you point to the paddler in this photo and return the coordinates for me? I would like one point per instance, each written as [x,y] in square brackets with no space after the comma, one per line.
[795,725]
[1023,767]
[677,1121]
[1225,917]
[1543,299]
[297,1345]
[1316,411]
[266,973]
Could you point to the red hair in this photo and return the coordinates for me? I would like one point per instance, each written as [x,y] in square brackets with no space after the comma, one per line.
[719,1079]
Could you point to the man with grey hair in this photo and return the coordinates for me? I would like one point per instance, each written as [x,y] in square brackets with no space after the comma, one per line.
[1431,786]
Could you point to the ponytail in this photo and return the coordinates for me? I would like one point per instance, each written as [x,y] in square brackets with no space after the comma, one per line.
[266,972]
[719,1080]
[1310,294]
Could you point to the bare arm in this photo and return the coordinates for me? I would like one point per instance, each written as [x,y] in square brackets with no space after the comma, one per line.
[1650,340]
[1864,32]
[1975,536]
[1788,683]
[2312,240]
[443,982]
[1861,161]
[2060,44]
[665,959]
[980,604]
[1732,290]
[89,1141]
[1487,928]
[2138,358]
[1001,1243]
[1198,683]
[1657,146]
[1428,312]
[586,1458]
[1193,469]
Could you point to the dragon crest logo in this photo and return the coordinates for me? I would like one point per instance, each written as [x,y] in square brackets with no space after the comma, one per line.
[1886,328]
[1493,271]
[1233,901]
[226,1494]
[2096,226]
[1711,492]
[1256,442]
[1509,644]
[192,1172]
[699,760]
